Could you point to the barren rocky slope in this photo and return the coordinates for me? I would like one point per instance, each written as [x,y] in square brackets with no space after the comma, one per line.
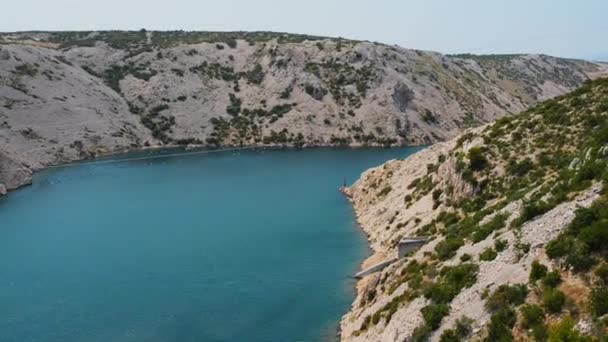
[73,95]
[517,215]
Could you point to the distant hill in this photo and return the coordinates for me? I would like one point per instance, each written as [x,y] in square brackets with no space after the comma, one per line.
[72,95]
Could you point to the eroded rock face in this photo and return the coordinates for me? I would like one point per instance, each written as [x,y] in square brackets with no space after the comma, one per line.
[402,96]
[4,55]
[13,174]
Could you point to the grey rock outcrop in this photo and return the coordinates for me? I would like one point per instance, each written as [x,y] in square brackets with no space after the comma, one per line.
[402,96]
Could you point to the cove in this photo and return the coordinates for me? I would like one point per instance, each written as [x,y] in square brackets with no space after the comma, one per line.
[249,246]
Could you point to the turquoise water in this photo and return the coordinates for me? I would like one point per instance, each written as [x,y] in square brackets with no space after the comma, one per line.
[257,246]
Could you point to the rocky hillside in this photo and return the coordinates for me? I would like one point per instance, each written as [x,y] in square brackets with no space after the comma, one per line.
[517,215]
[73,95]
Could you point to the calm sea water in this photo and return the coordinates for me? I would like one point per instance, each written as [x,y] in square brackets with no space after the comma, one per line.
[256,246]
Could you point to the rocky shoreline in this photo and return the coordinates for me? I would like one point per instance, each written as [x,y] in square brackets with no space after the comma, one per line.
[499,238]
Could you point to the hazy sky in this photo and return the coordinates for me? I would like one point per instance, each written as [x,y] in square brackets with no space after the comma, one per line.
[558,27]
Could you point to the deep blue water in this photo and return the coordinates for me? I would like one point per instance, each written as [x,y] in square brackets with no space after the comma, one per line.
[256,246]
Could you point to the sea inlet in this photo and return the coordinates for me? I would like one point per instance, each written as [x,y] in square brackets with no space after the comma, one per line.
[229,246]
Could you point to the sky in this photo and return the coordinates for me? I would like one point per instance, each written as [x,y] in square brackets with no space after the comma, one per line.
[563,28]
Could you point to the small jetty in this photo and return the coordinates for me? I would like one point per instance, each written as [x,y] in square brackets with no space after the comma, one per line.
[344,190]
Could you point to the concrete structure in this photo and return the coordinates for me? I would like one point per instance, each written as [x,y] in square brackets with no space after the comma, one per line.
[406,245]
[376,268]
[409,244]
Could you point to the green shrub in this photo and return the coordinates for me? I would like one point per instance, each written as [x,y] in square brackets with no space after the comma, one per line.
[460,332]
[538,271]
[599,301]
[584,240]
[286,93]
[501,324]
[602,273]
[507,295]
[477,160]
[256,75]
[559,247]
[452,280]
[448,247]
[520,169]
[384,191]
[433,314]
[500,245]
[421,334]
[429,117]
[564,331]
[488,254]
[552,279]
[234,108]
[553,300]
[485,230]
[533,318]
[530,211]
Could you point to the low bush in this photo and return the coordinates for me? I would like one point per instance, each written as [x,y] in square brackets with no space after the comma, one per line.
[533,318]
[460,332]
[234,108]
[501,324]
[448,247]
[601,272]
[552,279]
[384,191]
[433,314]
[500,245]
[507,295]
[520,169]
[477,160]
[485,230]
[538,271]
[582,245]
[488,254]
[553,300]
[599,301]
[565,331]
[452,280]
[421,334]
